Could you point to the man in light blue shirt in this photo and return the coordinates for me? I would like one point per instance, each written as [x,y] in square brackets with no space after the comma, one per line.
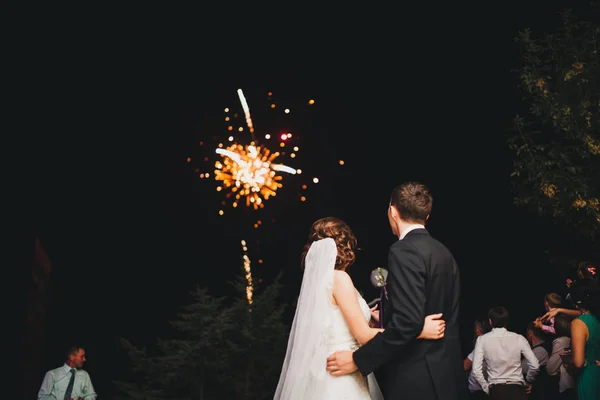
[68,382]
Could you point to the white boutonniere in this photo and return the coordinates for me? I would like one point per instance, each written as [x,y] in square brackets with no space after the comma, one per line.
[379,279]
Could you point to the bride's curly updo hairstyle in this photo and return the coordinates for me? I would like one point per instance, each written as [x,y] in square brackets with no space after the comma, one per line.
[331,227]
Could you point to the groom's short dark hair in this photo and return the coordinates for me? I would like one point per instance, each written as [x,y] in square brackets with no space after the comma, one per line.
[413,201]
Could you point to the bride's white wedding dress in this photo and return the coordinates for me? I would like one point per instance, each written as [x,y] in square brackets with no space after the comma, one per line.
[354,386]
[318,330]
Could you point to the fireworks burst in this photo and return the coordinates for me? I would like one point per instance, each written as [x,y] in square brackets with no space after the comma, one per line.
[249,171]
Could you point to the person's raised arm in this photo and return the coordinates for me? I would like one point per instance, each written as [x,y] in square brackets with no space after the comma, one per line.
[555,311]
[346,299]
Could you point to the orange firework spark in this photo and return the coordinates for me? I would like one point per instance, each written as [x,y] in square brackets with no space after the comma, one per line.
[249,171]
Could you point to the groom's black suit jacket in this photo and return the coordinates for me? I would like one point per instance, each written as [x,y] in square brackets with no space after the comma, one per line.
[423,279]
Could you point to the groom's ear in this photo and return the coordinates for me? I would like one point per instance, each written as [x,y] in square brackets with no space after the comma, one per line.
[427,217]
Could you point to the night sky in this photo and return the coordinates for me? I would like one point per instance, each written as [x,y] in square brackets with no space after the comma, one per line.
[130,228]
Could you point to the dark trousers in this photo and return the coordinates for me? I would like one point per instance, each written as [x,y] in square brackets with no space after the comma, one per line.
[478,395]
[508,392]
[545,387]
[569,394]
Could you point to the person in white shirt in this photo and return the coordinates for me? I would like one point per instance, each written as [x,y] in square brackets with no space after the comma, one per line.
[68,382]
[501,351]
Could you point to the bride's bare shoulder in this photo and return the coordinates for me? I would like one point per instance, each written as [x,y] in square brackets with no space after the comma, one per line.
[343,287]
[341,279]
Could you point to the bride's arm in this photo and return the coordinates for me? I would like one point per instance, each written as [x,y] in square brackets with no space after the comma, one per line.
[345,297]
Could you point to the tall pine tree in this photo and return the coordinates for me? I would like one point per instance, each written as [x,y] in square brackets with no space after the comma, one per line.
[261,340]
[224,348]
[194,365]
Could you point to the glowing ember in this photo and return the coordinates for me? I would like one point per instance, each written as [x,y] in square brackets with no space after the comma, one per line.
[248,270]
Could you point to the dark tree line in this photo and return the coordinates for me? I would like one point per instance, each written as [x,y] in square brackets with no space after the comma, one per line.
[223,349]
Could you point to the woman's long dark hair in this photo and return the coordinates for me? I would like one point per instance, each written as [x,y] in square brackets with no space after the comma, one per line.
[587,297]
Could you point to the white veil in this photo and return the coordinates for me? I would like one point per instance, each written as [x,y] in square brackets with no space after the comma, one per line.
[304,374]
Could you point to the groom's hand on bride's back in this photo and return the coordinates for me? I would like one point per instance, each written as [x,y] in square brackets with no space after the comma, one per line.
[341,363]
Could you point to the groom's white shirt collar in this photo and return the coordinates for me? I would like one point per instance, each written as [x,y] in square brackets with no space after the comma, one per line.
[411,228]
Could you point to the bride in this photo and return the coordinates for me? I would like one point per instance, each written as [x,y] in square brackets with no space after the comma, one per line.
[331,315]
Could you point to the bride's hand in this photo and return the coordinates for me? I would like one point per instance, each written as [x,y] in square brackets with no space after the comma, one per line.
[433,328]
[375,313]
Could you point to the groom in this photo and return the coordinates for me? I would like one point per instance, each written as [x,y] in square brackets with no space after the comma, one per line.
[423,279]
